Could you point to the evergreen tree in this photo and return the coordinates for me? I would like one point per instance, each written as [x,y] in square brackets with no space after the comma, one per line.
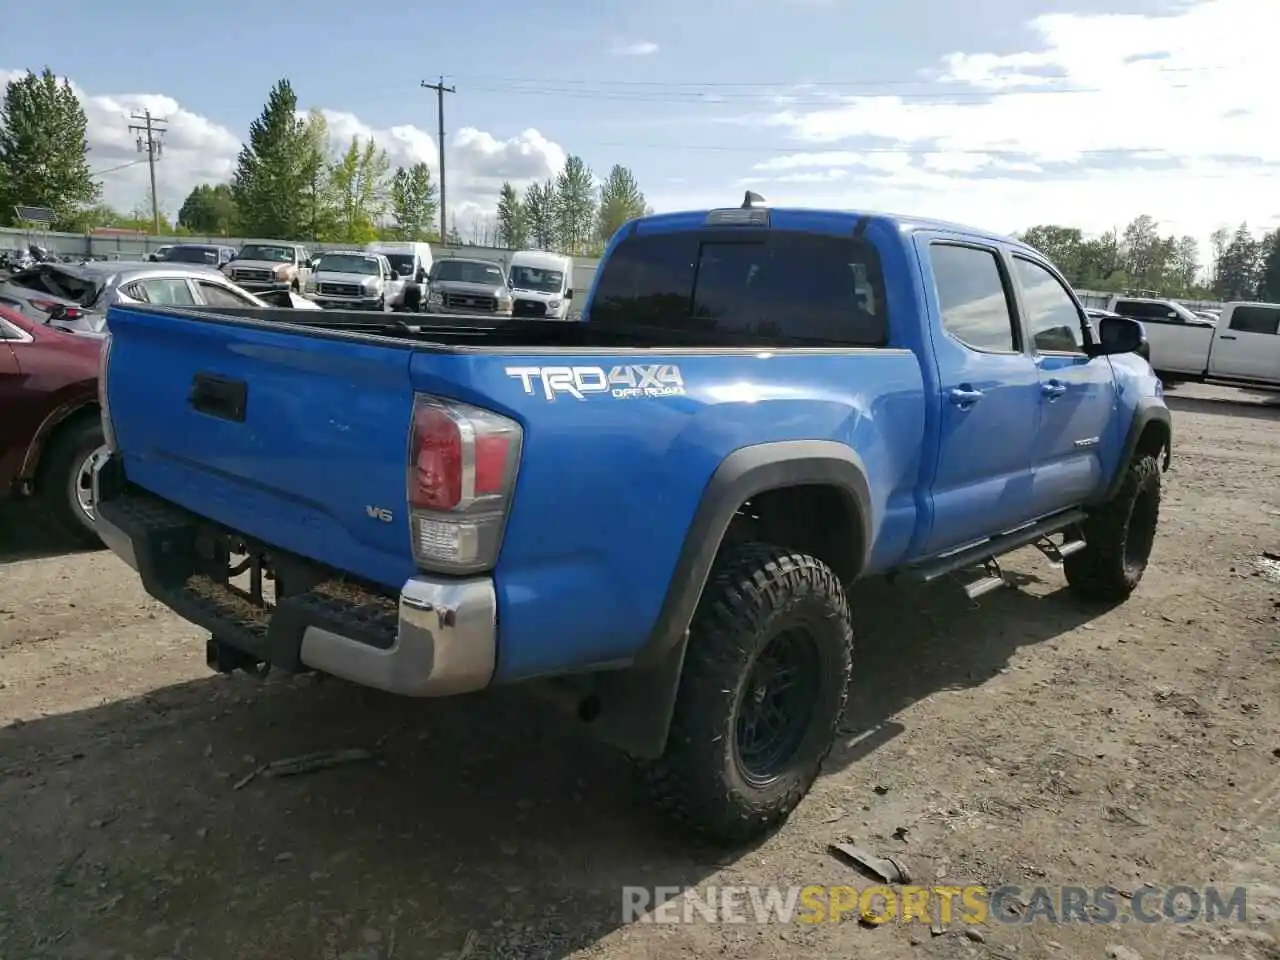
[414,202]
[44,149]
[1240,267]
[513,232]
[620,200]
[272,175]
[575,205]
[1269,275]
[539,212]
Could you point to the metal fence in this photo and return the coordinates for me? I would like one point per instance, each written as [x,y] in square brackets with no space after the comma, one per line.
[137,247]
[1097,300]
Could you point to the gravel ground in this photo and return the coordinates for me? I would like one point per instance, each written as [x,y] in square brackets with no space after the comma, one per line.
[1020,739]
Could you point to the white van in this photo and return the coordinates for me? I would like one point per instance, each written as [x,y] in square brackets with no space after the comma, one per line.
[410,259]
[541,284]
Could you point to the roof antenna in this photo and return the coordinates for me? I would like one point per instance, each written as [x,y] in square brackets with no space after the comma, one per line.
[751,199]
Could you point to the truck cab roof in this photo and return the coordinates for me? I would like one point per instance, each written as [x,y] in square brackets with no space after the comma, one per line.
[822,221]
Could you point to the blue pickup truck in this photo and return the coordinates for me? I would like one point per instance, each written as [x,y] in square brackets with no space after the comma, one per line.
[652,515]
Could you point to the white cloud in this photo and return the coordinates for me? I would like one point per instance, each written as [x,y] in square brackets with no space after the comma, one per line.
[197,150]
[1191,91]
[640,48]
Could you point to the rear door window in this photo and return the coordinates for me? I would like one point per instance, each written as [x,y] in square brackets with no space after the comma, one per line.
[973,298]
[1256,319]
[1142,310]
[798,288]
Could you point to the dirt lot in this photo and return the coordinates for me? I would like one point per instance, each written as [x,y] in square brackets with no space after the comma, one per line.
[1022,739]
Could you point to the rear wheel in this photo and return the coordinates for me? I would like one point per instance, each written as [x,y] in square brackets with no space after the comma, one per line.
[763,688]
[65,483]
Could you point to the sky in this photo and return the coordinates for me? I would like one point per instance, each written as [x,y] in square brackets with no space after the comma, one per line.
[1001,114]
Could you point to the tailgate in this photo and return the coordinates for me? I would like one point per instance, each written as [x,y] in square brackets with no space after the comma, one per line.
[297,440]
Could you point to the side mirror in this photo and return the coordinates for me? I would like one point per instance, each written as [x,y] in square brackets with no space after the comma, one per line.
[422,275]
[1118,335]
[568,294]
[395,275]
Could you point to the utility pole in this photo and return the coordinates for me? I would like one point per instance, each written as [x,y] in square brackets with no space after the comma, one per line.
[148,132]
[440,90]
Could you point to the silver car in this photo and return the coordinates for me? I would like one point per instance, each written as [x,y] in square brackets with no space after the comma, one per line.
[76,296]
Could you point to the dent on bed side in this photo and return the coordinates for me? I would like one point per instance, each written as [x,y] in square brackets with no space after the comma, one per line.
[631,708]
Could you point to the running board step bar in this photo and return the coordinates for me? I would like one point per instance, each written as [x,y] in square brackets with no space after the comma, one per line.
[994,580]
[1058,552]
[988,550]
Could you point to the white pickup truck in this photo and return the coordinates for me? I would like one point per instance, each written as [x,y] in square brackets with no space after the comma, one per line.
[1242,347]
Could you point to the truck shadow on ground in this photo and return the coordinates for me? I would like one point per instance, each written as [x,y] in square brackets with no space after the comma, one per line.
[26,535]
[484,822]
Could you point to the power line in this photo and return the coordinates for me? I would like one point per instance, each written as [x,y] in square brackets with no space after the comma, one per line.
[1004,153]
[122,166]
[149,132]
[440,90]
[766,84]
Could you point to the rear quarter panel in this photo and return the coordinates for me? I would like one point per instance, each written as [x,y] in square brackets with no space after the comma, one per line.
[608,487]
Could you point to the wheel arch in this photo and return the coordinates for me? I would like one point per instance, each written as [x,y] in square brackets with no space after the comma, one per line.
[631,708]
[1150,433]
[61,417]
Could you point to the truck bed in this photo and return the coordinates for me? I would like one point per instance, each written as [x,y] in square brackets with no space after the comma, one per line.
[454,332]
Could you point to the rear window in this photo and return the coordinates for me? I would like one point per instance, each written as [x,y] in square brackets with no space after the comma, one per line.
[192,255]
[779,286]
[1255,319]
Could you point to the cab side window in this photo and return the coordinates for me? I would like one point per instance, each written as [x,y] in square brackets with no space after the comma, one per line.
[1053,320]
[973,298]
[1256,320]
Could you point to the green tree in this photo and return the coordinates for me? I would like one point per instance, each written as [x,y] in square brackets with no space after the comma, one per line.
[513,225]
[1061,245]
[88,219]
[1147,255]
[620,200]
[575,205]
[1218,241]
[320,207]
[209,209]
[540,214]
[414,202]
[1101,267]
[358,180]
[1240,268]
[269,186]
[44,149]
[1269,275]
[1186,266]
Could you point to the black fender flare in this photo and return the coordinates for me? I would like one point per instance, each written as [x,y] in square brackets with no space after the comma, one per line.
[1149,410]
[636,703]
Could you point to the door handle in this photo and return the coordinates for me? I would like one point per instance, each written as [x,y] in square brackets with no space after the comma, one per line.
[1053,389]
[963,397]
[1227,336]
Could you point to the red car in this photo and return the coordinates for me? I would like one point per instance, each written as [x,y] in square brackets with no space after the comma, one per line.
[50,427]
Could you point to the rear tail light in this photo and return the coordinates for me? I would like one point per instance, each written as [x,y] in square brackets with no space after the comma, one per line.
[462,471]
[50,306]
[104,363]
